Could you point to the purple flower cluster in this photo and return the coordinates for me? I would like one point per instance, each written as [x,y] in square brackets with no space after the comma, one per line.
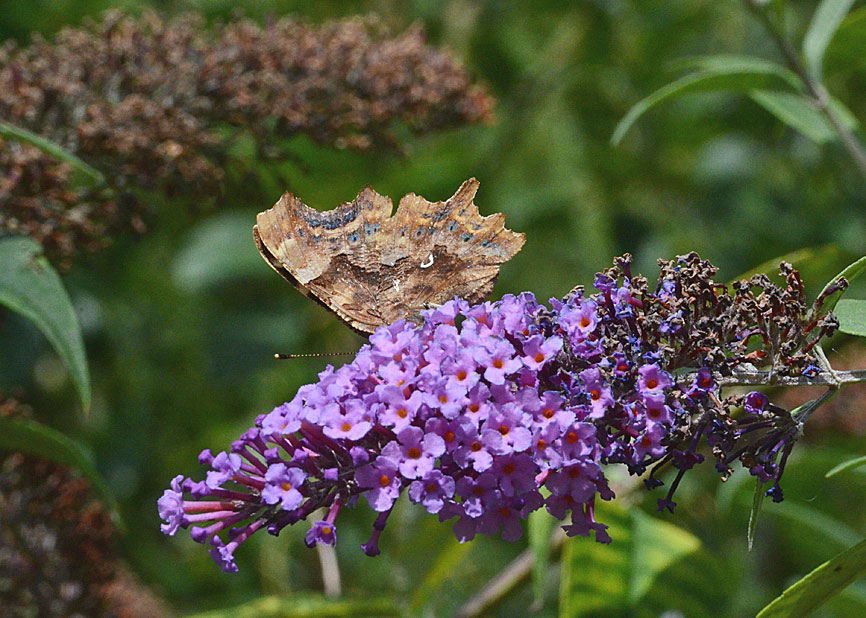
[486,413]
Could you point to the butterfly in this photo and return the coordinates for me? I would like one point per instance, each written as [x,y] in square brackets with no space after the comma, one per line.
[371,268]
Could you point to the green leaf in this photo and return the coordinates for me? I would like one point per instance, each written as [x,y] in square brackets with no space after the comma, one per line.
[808,594]
[31,287]
[734,73]
[31,437]
[540,526]
[757,501]
[218,251]
[437,574]
[850,272]
[797,112]
[621,577]
[826,20]
[733,63]
[851,464]
[305,606]
[847,50]
[852,316]
[23,135]
[812,262]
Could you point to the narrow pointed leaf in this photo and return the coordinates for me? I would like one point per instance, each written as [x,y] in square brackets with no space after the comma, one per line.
[757,501]
[540,527]
[826,20]
[850,272]
[847,49]
[851,464]
[818,260]
[31,287]
[726,76]
[651,566]
[797,112]
[808,594]
[437,574]
[28,436]
[23,135]
[852,316]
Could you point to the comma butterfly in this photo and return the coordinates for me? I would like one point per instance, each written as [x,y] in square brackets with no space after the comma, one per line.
[371,268]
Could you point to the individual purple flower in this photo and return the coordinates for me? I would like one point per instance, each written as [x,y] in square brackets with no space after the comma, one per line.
[549,409]
[702,384]
[346,421]
[478,404]
[497,360]
[509,422]
[382,482]
[432,490]
[504,515]
[650,442]
[223,555]
[621,365]
[656,409]
[538,350]
[578,443]
[390,342]
[283,419]
[283,485]
[578,480]
[449,398]
[756,402]
[579,320]
[653,380]
[171,507]
[478,494]
[414,451]
[449,430]
[515,473]
[460,371]
[477,449]
[225,466]
[323,532]
[600,396]
[400,408]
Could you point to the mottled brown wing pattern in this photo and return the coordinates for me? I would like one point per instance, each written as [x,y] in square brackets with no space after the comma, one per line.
[373,269]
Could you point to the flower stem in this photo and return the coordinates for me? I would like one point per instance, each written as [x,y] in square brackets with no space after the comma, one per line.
[746,377]
[815,89]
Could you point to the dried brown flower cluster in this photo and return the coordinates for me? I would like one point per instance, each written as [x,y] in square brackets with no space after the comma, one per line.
[154,105]
[57,554]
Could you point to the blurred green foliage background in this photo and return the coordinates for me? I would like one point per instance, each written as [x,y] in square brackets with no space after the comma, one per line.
[181,325]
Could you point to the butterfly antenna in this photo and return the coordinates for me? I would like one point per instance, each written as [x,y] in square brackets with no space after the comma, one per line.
[314,355]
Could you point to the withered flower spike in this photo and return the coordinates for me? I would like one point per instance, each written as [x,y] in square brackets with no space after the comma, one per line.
[144,101]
